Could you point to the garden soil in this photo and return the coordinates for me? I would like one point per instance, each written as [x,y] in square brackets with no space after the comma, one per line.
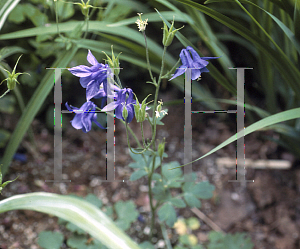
[268,209]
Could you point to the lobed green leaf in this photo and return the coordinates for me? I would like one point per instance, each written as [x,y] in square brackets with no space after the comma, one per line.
[167,213]
[138,174]
[50,240]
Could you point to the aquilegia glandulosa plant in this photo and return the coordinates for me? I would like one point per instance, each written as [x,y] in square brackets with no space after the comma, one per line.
[99,82]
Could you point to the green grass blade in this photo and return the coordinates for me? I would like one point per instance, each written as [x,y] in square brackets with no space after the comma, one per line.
[297,20]
[238,40]
[282,26]
[271,120]
[208,37]
[81,213]
[95,26]
[287,69]
[8,51]
[277,2]
[6,8]
[125,32]
[33,107]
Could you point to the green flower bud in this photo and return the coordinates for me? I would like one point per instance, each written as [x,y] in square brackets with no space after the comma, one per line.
[158,108]
[12,78]
[84,7]
[161,148]
[113,62]
[125,113]
[168,35]
[140,109]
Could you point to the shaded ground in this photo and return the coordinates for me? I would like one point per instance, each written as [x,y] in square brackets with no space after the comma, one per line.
[268,209]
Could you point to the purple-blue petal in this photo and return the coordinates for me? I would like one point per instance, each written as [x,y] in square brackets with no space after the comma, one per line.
[189,60]
[70,108]
[179,71]
[96,122]
[200,64]
[92,89]
[183,57]
[210,58]
[195,55]
[76,121]
[91,58]
[204,70]
[100,94]
[130,97]
[119,111]
[111,106]
[84,81]
[86,122]
[130,110]
[80,71]
[195,74]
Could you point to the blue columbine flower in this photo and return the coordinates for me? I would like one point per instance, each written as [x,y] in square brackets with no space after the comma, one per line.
[122,102]
[84,117]
[196,63]
[91,77]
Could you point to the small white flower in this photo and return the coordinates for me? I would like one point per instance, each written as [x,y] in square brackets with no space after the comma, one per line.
[157,114]
[141,24]
[164,112]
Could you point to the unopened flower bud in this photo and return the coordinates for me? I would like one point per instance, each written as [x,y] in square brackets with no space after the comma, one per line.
[168,35]
[85,7]
[161,148]
[140,109]
[158,108]
[12,78]
[125,113]
[113,62]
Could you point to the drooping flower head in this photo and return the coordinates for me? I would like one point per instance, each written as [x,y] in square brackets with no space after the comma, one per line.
[197,64]
[92,77]
[124,100]
[84,117]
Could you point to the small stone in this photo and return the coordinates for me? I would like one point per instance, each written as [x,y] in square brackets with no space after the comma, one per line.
[161,244]
[76,173]
[147,230]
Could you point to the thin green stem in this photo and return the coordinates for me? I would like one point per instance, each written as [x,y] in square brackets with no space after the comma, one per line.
[119,82]
[147,57]
[128,142]
[173,68]
[4,93]
[143,139]
[153,209]
[156,94]
[87,26]
[151,198]
[261,28]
